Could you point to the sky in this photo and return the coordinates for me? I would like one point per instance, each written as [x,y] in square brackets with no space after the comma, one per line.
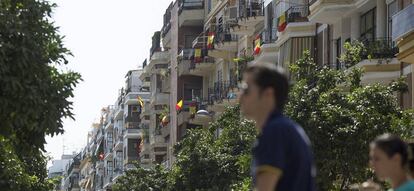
[107,38]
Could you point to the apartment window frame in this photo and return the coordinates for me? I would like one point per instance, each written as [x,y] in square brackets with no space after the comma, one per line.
[109,168]
[367,29]
[391,13]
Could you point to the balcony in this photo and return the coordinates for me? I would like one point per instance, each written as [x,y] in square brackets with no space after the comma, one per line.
[159,98]
[118,172]
[225,41]
[202,119]
[185,59]
[119,143]
[222,94]
[200,41]
[133,132]
[251,13]
[329,11]
[109,153]
[132,97]
[165,31]
[119,112]
[190,12]
[108,181]
[184,115]
[204,67]
[159,57]
[269,49]
[403,33]
[99,164]
[379,48]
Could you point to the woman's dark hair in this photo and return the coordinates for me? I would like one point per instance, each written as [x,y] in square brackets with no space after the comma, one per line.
[392,145]
[270,76]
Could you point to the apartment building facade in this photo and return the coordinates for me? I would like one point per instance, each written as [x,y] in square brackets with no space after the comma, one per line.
[197,59]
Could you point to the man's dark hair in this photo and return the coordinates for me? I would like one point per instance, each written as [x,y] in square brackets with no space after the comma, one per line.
[270,76]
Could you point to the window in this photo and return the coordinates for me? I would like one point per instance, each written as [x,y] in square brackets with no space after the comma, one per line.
[368,25]
[392,10]
[338,53]
[109,168]
[209,6]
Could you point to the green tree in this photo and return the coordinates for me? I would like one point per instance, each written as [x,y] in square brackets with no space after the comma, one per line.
[342,116]
[206,161]
[143,179]
[34,92]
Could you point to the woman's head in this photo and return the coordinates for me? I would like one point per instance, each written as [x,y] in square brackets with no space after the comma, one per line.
[388,155]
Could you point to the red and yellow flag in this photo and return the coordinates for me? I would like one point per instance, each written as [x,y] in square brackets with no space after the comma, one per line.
[258,45]
[140,101]
[210,40]
[197,55]
[179,105]
[281,26]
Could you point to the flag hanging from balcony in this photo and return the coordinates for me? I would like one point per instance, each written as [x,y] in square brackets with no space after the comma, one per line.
[140,101]
[179,105]
[197,55]
[281,22]
[210,40]
[257,45]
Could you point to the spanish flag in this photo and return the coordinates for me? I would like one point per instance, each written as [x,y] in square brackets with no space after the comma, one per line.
[281,22]
[179,105]
[210,40]
[197,55]
[258,45]
[140,101]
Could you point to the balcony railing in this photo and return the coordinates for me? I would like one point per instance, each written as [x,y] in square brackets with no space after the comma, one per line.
[167,21]
[269,35]
[221,91]
[187,54]
[297,14]
[379,48]
[190,5]
[226,36]
[200,41]
[133,125]
[250,8]
[402,22]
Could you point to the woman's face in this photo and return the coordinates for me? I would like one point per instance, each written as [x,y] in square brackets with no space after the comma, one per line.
[383,165]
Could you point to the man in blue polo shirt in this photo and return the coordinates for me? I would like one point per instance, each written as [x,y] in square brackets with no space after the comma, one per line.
[282,156]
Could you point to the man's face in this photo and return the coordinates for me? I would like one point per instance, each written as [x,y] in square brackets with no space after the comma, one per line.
[250,101]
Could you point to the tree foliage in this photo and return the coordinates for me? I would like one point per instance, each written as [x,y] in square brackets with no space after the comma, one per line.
[341,117]
[34,92]
[206,161]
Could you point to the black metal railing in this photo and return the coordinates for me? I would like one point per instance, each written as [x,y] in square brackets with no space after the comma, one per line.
[250,8]
[225,36]
[379,48]
[189,5]
[297,14]
[222,91]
